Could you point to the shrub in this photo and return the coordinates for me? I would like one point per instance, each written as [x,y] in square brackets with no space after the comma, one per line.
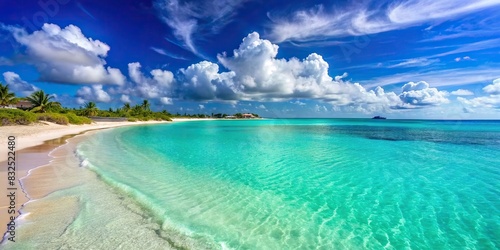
[78,120]
[131,119]
[16,116]
[53,117]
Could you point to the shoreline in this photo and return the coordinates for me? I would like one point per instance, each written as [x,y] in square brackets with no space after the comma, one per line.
[36,134]
[34,146]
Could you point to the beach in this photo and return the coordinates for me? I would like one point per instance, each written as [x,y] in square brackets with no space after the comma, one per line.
[33,145]
[38,171]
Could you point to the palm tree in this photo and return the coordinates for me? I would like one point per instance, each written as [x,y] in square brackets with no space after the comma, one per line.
[145,105]
[41,101]
[136,110]
[6,97]
[90,109]
[126,107]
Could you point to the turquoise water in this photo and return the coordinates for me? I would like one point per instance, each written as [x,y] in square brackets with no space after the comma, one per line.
[310,183]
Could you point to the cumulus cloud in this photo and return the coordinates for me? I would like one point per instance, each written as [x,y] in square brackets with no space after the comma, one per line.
[18,85]
[202,81]
[95,93]
[462,92]
[66,55]
[493,89]
[256,74]
[159,84]
[166,101]
[368,17]
[125,99]
[418,95]
[259,75]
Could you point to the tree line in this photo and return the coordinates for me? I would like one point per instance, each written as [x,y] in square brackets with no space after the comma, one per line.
[44,107]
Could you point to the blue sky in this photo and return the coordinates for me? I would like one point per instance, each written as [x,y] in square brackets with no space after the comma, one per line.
[401,59]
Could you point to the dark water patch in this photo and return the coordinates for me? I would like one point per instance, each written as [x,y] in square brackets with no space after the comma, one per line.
[488,138]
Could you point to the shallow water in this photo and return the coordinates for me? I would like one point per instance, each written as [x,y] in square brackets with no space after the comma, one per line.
[299,183]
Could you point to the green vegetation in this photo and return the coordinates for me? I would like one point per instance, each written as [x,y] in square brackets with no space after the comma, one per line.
[6,98]
[53,117]
[90,109]
[45,109]
[16,117]
[78,120]
[42,102]
[21,117]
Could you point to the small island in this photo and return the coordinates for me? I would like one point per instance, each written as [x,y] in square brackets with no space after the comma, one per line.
[379,117]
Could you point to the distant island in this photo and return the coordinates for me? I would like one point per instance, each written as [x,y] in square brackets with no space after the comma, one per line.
[379,117]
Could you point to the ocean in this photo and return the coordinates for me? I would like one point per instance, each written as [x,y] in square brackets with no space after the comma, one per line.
[296,184]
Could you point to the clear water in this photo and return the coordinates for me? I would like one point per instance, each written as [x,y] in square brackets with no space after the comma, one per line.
[310,183]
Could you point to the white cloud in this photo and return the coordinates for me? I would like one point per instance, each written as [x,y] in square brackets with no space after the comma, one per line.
[202,81]
[298,103]
[257,75]
[493,89]
[160,84]
[476,46]
[261,76]
[167,53]
[261,106]
[166,100]
[462,92]
[95,93]
[418,95]
[201,106]
[66,55]
[319,108]
[414,62]
[125,99]
[439,78]
[187,18]
[491,101]
[368,17]
[18,85]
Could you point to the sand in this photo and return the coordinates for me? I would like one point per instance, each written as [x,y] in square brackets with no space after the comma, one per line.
[33,145]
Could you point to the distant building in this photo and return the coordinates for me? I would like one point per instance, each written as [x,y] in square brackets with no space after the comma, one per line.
[23,104]
[248,116]
[230,117]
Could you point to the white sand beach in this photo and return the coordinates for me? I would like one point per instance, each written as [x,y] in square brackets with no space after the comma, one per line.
[33,144]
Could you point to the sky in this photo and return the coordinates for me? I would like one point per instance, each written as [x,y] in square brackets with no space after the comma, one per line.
[407,59]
